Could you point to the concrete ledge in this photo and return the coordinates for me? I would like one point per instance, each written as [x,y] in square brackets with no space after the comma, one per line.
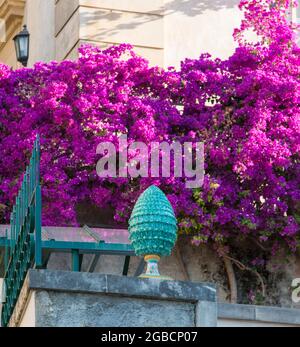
[83,282]
[65,298]
[73,299]
[277,315]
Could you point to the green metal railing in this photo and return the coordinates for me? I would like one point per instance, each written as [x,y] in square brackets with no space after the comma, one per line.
[27,246]
[24,247]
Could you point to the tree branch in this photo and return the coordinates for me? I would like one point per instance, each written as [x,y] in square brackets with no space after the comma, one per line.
[181,263]
[231,279]
[243,267]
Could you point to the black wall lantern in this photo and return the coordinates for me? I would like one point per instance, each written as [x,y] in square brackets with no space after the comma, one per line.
[22,46]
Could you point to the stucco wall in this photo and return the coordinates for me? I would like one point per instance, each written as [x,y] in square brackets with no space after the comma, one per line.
[198,26]
[40,19]
[163,31]
[108,22]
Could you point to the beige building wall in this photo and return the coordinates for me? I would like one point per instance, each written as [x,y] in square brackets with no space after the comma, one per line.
[107,22]
[163,31]
[39,17]
[7,52]
[11,17]
[199,26]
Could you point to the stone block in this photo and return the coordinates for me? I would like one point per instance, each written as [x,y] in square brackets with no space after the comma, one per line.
[75,299]
[63,12]
[57,309]
[114,26]
[206,314]
[245,312]
[68,37]
[278,314]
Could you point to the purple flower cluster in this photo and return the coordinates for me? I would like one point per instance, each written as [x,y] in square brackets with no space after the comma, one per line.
[245,109]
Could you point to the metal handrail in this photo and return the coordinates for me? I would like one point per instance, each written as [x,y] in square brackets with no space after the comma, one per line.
[24,248]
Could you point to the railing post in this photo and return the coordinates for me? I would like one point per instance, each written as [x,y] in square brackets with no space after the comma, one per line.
[6,249]
[38,205]
[38,228]
[75,260]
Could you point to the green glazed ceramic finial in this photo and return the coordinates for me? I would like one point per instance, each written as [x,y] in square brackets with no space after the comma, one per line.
[153,228]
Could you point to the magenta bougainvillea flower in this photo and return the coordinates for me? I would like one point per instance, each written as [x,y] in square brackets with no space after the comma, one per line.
[245,109]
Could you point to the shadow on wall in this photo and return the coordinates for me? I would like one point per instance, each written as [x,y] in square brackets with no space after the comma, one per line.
[107,31]
[193,8]
[189,8]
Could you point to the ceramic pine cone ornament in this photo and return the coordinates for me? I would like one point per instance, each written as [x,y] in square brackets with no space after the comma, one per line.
[153,228]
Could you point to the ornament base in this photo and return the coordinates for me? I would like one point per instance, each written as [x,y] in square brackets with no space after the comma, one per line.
[152,268]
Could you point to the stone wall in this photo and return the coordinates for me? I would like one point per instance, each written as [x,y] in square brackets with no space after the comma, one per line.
[256,316]
[202,264]
[194,263]
[65,298]
[40,18]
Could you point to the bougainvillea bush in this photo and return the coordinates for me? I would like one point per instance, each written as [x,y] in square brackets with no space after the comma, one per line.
[245,109]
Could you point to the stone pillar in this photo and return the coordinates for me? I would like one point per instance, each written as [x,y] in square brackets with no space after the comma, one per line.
[74,299]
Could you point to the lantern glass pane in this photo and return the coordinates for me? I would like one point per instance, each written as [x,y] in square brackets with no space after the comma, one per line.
[17,48]
[23,44]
